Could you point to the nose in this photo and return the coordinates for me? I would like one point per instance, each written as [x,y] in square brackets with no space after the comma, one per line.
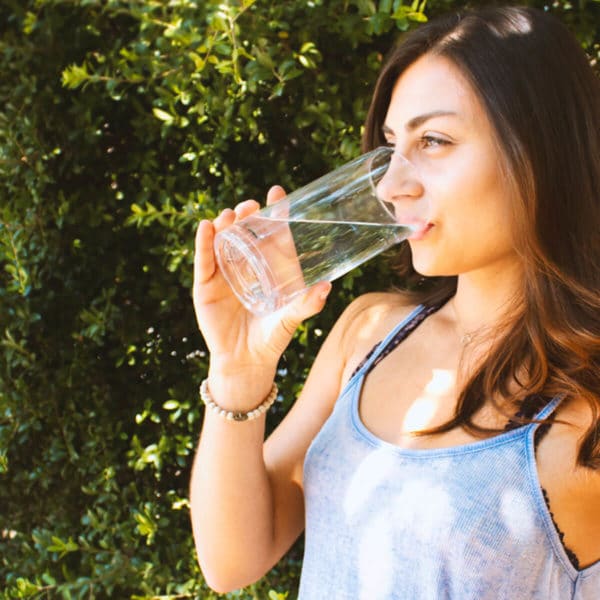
[399,182]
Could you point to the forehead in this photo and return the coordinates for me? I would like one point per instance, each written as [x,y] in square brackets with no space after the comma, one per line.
[434,84]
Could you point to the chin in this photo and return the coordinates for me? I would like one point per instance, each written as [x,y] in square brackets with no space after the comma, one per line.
[432,268]
[431,262]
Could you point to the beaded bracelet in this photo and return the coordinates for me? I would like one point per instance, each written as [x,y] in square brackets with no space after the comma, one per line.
[231,415]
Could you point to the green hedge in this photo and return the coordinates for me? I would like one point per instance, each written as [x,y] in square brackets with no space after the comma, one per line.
[123,122]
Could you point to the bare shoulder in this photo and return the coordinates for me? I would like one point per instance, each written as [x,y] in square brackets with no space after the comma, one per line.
[363,323]
[558,453]
[366,321]
[374,311]
[572,419]
[575,421]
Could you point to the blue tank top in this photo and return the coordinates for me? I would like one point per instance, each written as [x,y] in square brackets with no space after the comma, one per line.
[464,523]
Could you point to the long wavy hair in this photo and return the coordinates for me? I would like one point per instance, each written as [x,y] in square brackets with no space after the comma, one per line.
[542,98]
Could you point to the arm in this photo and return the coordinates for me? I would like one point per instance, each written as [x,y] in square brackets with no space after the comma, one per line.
[246,497]
[246,504]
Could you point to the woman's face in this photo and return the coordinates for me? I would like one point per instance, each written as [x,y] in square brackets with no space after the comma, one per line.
[453,192]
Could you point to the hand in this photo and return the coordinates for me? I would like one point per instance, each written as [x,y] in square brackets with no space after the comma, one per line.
[242,345]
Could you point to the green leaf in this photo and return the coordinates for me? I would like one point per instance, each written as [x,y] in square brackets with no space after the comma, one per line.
[163,115]
[62,547]
[29,22]
[26,588]
[74,76]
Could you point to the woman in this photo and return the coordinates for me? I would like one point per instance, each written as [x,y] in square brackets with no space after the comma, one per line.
[461,457]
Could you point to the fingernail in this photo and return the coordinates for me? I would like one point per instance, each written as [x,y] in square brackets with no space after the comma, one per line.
[324,293]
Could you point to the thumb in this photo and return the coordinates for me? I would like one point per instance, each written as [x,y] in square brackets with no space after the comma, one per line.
[305,306]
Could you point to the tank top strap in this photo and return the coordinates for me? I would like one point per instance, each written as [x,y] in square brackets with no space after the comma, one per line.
[399,333]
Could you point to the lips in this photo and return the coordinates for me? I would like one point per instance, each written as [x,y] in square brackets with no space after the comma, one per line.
[419,227]
[420,232]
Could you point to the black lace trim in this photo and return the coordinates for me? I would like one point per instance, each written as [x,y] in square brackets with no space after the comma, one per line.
[572,556]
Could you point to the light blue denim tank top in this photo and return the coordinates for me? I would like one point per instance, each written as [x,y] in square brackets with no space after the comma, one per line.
[464,523]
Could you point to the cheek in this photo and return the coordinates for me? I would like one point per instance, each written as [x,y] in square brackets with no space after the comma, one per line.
[473,227]
[470,192]
[481,227]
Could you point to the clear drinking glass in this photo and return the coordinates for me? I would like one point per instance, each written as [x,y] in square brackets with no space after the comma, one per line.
[318,232]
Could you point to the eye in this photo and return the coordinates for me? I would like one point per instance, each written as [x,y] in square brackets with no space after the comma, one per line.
[433,141]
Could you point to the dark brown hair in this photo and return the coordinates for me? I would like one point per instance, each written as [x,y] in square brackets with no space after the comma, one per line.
[542,98]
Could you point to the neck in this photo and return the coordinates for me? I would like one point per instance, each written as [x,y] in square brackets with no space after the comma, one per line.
[483,300]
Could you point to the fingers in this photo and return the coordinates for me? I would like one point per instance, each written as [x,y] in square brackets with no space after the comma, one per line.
[305,306]
[225,219]
[243,209]
[275,194]
[204,258]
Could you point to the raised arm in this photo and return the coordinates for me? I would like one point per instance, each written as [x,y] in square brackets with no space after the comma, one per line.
[246,501]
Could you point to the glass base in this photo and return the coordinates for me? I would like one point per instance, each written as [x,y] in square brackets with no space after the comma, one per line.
[246,271]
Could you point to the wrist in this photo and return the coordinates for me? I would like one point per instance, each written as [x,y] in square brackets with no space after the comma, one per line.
[237,415]
[240,391]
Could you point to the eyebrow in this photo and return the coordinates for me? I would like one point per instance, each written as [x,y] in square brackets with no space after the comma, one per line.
[420,119]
